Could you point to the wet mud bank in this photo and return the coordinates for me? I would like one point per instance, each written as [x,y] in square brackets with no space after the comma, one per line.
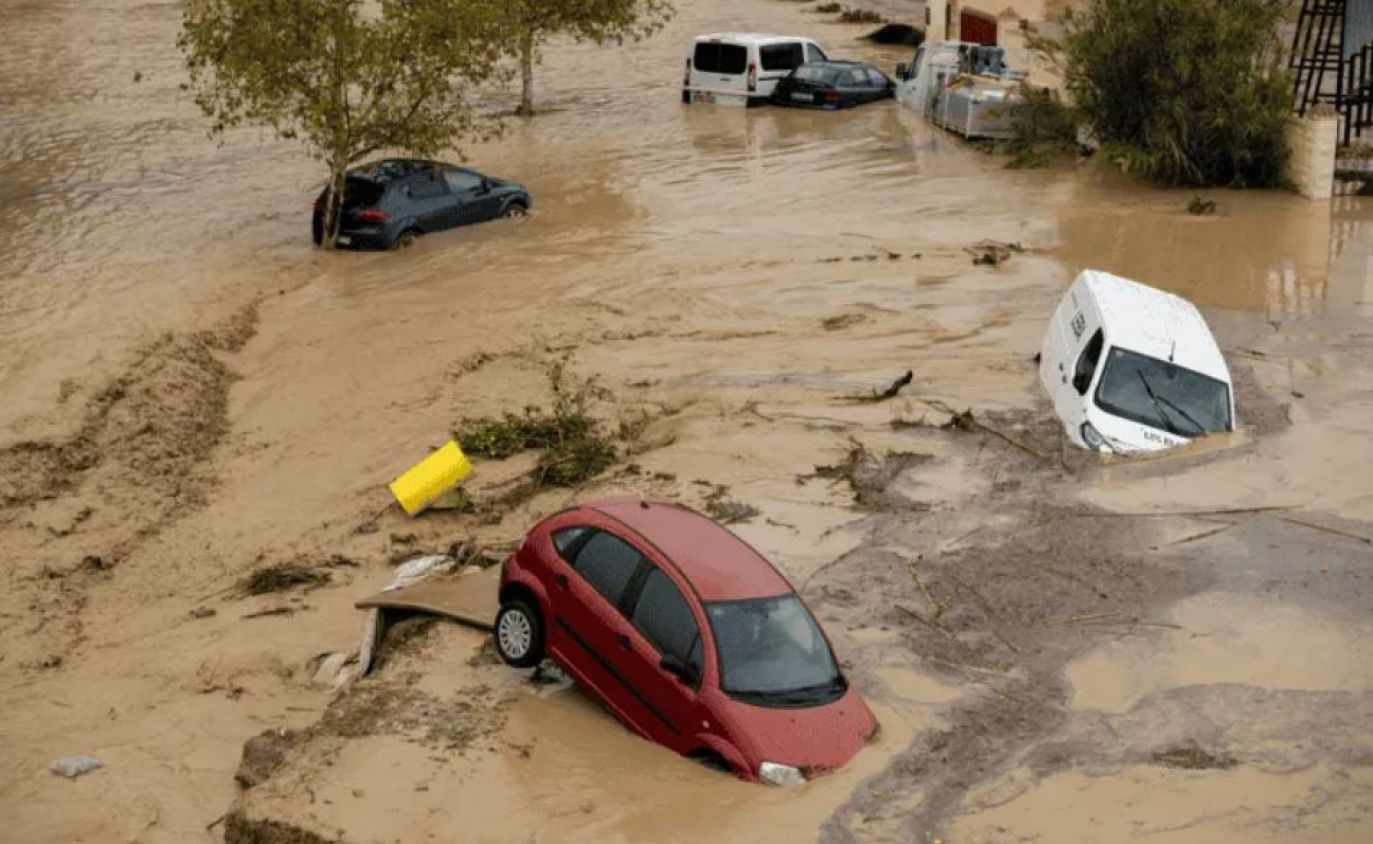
[1057,647]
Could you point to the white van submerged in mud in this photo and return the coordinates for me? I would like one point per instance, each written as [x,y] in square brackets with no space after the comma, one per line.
[1130,368]
[743,68]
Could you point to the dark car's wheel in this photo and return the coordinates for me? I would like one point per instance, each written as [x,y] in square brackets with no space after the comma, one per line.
[519,635]
[407,238]
[515,210]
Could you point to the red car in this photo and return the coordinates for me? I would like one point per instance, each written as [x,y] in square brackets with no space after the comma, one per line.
[686,634]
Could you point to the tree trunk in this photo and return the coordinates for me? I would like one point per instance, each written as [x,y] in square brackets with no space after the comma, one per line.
[333,207]
[527,74]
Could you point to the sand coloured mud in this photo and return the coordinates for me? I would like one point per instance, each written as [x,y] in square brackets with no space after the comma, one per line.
[745,278]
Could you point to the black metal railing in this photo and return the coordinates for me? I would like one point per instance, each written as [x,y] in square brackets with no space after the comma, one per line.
[1356,101]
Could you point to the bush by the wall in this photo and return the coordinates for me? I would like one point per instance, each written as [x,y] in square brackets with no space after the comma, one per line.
[1184,92]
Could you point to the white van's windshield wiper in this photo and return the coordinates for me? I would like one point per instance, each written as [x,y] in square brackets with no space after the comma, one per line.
[1159,404]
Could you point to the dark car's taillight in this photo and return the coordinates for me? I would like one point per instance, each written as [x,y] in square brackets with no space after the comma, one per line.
[371,215]
[832,98]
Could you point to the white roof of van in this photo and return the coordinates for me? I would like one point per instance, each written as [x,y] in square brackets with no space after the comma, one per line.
[1155,323]
[751,37]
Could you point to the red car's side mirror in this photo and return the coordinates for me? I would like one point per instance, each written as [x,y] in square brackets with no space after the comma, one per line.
[678,669]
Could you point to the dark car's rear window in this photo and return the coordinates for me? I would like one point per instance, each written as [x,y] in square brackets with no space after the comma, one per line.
[824,73]
[714,57]
[361,193]
[782,56]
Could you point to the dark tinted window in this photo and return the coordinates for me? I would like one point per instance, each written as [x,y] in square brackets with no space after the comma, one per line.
[565,540]
[428,186]
[876,79]
[782,56]
[714,57]
[607,563]
[1086,364]
[665,619]
[854,79]
[461,180]
[814,53]
[361,193]
[824,73]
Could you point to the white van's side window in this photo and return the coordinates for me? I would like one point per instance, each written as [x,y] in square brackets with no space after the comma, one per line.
[1087,363]
[782,56]
[814,54]
[714,57]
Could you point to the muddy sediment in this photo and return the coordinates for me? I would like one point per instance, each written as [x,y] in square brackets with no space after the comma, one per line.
[1175,646]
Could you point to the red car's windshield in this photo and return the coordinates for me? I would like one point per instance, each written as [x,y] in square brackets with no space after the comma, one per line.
[772,653]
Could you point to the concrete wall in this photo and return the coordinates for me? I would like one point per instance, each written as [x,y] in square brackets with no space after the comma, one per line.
[1313,140]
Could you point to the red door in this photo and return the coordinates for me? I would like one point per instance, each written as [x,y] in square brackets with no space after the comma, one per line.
[662,624]
[977,28]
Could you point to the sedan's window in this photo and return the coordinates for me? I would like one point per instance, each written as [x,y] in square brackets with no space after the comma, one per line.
[565,540]
[814,53]
[782,56]
[876,79]
[714,57]
[461,181]
[665,619]
[822,73]
[854,78]
[608,564]
[428,187]
[361,193]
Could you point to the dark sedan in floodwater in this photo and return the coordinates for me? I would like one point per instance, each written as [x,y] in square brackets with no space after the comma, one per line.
[390,203]
[833,84]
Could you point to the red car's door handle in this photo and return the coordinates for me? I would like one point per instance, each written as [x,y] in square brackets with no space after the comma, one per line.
[623,640]
[561,580]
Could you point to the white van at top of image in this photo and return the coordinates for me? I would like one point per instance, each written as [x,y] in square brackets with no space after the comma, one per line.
[1131,368]
[742,68]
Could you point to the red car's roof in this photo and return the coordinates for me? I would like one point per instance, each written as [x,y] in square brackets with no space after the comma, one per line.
[720,565]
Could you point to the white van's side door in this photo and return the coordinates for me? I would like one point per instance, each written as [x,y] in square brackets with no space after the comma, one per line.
[1075,343]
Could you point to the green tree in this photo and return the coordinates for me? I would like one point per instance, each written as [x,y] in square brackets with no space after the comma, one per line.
[348,78]
[1186,92]
[532,22]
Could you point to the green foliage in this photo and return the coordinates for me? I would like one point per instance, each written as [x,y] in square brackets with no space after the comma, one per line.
[574,449]
[1045,130]
[1186,92]
[348,78]
[529,23]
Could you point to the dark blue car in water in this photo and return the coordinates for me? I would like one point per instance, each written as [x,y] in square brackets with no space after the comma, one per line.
[392,202]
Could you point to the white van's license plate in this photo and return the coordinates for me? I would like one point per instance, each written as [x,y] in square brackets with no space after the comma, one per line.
[702,97]
[802,97]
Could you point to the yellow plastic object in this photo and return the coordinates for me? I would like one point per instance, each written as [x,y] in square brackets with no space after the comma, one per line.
[431,478]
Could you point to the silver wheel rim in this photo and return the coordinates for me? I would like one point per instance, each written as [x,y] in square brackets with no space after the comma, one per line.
[515,633]
[514,211]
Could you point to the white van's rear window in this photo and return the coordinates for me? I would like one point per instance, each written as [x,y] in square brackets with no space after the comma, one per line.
[782,56]
[714,57]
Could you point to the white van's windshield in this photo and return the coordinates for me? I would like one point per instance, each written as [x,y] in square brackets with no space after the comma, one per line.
[1163,395]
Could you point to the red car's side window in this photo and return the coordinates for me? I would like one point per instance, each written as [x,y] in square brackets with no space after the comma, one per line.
[568,541]
[665,619]
[608,563]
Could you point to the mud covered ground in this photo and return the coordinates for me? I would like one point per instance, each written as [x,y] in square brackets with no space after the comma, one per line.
[1059,649]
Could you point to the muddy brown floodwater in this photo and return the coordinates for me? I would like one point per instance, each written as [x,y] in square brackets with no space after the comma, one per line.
[1166,650]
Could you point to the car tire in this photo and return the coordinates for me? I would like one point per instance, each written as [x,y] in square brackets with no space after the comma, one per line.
[519,635]
[515,211]
[407,238]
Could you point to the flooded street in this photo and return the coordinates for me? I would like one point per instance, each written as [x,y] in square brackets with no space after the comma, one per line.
[192,391]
